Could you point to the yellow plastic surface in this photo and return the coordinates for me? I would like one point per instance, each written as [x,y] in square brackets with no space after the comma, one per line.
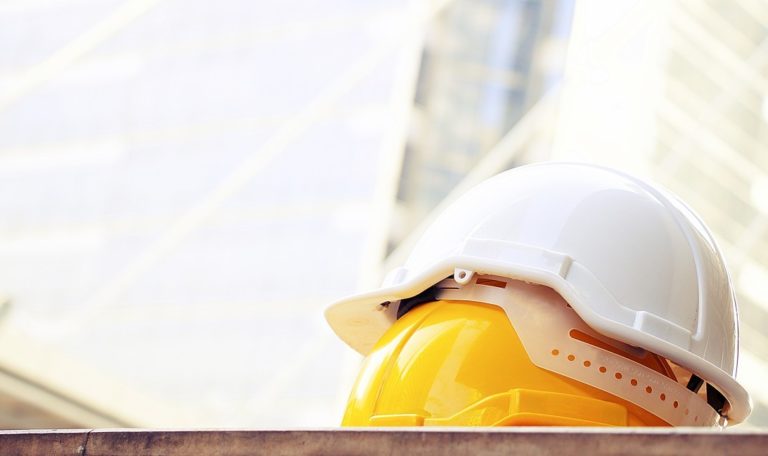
[449,363]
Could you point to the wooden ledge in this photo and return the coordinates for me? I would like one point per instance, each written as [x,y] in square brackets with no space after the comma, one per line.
[483,441]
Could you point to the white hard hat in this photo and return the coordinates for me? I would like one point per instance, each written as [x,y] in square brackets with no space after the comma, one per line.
[634,262]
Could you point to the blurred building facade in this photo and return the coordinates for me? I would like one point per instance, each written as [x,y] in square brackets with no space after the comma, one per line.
[484,65]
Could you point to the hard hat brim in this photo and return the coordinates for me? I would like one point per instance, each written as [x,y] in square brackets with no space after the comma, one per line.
[362,319]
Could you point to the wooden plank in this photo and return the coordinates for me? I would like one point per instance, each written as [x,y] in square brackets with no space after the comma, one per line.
[48,442]
[481,441]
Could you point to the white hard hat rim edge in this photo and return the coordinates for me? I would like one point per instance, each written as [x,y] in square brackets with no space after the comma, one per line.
[737,396]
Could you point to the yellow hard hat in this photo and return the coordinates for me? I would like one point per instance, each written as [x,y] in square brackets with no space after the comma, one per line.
[462,363]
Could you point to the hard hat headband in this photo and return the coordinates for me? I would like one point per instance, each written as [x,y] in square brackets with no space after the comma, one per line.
[533,308]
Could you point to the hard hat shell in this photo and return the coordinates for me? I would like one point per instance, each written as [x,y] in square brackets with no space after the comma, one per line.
[634,262]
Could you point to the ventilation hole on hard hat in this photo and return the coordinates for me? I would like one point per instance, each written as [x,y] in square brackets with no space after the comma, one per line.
[603,369]
[571,357]
[715,399]
[695,383]
[618,375]
[648,389]
[663,397]
[675,404]
[587,364]
[633,382]
[695,419]
[555,352]
[489,282]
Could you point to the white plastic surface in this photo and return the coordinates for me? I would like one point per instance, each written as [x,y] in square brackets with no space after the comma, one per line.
[635,263]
